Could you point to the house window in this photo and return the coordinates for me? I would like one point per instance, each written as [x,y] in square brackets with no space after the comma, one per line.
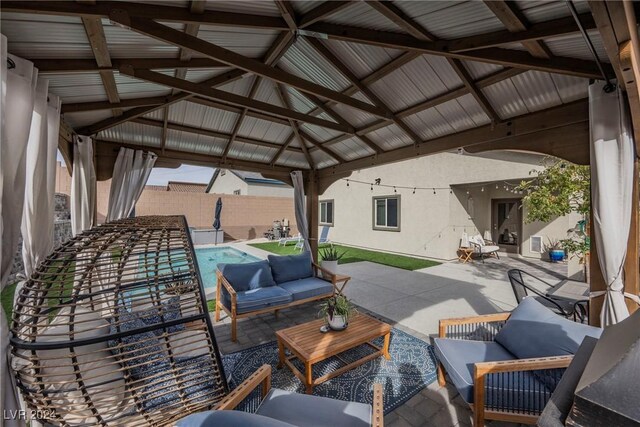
[236,192]
[386,213]
[326,212]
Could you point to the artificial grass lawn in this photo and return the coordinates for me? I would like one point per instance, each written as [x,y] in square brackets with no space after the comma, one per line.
[355,255]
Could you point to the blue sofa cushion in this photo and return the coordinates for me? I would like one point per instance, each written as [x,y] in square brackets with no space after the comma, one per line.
[459,356]
[535,331]
[256,299]
[229,419]
[307,288]
[244,277]
[291,267]
[309,410]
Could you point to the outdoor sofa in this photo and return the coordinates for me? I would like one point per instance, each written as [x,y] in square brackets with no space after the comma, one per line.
[507,365]
[245,290]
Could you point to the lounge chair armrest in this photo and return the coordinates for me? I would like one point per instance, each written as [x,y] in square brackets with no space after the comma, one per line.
[224,282]
[377,417]
[456,326]
[260,377]
[519,365]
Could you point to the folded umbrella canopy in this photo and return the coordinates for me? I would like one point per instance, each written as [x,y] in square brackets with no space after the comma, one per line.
[216,221]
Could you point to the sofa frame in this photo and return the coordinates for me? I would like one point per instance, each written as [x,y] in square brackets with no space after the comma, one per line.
[234,315]
[457,327]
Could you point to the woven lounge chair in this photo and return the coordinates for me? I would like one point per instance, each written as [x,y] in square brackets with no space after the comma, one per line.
[484,248]
[113,330]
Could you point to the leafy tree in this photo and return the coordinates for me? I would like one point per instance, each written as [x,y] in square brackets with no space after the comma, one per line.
[560,189]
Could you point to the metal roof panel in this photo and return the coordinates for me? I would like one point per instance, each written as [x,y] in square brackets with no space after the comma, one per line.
[537,90]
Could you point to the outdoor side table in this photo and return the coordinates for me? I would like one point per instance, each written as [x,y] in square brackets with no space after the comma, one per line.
[310,346]
[465,254]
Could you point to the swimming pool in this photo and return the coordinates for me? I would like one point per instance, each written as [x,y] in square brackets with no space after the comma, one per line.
[209,258]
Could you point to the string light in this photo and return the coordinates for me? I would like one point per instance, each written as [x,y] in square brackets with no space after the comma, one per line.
[394,190]
[347,183]
[434,191]
[507,186]
[414,190]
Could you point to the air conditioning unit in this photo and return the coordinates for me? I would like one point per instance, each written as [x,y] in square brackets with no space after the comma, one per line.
[535,244]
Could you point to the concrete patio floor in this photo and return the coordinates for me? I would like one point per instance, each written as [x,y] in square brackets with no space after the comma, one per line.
[412,301]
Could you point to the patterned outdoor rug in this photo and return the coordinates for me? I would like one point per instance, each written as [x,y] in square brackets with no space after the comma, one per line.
[411,368]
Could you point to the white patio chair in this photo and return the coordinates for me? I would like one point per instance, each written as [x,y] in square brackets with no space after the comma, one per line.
[324,238]
[285,240]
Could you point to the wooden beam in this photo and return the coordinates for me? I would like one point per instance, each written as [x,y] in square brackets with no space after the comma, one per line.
[313,208]
[543,30]
[177,38]
[141,111]
[284,98]
[208,92]
[106,105]
[212,133]
[196,6]
[106,148]
[397,16]
[345,71]
[233,109]
[600,12]
[150,11]
[504,57]
[515,21]
[282,148]
[480,98]
[165,123]
[288,13]
[538,122]
[57,65]
[98,42]
[323,11]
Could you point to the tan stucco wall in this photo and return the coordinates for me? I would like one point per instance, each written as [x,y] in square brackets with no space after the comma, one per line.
[431,225]
[243,217]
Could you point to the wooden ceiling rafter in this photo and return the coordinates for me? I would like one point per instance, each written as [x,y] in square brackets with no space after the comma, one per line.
[284,98]
[513,19]
[326,53]
[59,65]
[492,55]
[405,22]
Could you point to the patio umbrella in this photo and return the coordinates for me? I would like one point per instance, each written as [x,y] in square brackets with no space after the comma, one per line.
[216,221]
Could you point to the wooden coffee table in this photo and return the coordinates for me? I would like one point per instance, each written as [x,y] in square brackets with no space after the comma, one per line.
[310,346]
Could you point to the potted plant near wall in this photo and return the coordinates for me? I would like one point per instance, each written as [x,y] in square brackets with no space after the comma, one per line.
[337,310]
[330,258]
[555,250]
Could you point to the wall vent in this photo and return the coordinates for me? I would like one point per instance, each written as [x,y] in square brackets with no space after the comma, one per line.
[535,244]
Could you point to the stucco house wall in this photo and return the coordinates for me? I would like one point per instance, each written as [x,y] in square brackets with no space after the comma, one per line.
[227,183]
[431,225]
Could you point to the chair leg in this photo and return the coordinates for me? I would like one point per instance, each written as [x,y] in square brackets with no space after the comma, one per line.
[217,317]
[233,329]
[441,379]
[497,256]
[275,314]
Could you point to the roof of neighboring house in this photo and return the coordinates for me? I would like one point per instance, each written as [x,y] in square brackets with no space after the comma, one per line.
[156,187]
[248,177]
[186,187]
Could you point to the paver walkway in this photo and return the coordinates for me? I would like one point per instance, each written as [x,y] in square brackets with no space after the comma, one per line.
[413,301]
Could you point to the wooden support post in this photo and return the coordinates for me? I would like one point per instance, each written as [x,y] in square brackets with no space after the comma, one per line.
[312,212]
[596,279]
[631,267]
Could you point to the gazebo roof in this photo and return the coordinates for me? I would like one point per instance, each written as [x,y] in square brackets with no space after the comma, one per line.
[274,86]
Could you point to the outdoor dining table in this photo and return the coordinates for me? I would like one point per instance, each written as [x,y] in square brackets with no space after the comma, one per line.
[569,290]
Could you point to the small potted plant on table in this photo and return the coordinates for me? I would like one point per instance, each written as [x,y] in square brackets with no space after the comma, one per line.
[330,258]
[337,310]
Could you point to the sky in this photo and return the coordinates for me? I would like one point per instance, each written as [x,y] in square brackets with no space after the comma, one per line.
[185,173]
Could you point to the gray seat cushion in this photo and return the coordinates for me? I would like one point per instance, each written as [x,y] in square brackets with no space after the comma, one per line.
[244,277]
[307,288]
[290,267]
[260,298]
[459,356]
[314,411]
[229,419]
[533,330]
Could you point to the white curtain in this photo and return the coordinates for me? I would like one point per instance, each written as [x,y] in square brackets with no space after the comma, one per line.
[130,174]
[37,219]
[18,91]
[301,214]
[612,156]
[83,186]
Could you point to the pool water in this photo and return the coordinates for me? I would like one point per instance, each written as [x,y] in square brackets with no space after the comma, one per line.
[209,258]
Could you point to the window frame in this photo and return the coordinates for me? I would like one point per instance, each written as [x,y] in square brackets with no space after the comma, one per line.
[333,212]
[375,212]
